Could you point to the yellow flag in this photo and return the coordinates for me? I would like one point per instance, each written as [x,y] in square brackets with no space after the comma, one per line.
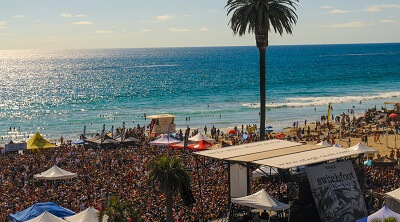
[329,112]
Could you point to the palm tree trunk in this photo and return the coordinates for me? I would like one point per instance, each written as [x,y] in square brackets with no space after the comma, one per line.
[262,51]
[169,203]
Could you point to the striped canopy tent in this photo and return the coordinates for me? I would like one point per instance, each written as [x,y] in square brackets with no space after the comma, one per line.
[38,142]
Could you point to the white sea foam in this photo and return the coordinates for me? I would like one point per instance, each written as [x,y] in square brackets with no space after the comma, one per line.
[321,101]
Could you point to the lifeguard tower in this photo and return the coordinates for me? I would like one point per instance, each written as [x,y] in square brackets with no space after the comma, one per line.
[163,123]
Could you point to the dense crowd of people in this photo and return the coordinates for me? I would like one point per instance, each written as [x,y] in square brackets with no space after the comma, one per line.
[122,172]
[103,173]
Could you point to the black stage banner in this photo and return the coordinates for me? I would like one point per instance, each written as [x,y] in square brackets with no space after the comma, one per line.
[336,192]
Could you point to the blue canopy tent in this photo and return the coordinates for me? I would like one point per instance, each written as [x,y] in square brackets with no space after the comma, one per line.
[37,209]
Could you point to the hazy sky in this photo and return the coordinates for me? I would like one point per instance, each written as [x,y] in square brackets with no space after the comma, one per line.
[55,24]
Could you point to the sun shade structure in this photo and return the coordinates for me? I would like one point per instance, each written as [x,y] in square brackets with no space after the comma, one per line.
[279,153]
[46,217]
[38,142]
[165,140]
[363,148]
[88,215]
[200,136]
[380,215]
[261,200]
[55,173]
[39,208]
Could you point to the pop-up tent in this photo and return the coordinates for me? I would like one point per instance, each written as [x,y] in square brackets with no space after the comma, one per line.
[337,145]
[392,200]
[38,142]
[202,145]
[164,140]
[46,217]
[199,137]
[88,215]
[39,208]
[55,173]
[380,215]
[324,143]
[261,200]
[363,148]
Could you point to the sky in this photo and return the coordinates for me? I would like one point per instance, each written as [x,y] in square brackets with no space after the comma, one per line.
[75,24]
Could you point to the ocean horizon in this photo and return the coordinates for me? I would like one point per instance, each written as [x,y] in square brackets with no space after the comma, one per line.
[58,92]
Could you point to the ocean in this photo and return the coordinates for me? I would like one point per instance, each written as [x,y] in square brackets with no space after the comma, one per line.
[58,92]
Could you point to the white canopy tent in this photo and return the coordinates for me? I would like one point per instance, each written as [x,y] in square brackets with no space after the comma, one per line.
[264,171]
[392,200]
[324,143]
[46,217]
[55,173]
[164,140]
[363,148]
[380,215]
[200,136]
[337,146]
[88,215]
[261,200]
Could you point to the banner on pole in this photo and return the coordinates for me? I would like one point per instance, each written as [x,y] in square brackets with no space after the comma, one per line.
[336,192]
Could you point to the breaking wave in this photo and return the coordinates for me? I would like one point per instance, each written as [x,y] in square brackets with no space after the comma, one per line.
[321,101]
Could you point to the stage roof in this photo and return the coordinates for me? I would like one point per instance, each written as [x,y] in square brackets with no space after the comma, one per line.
[279,153]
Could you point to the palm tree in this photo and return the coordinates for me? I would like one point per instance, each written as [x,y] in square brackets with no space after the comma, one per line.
[118,210]
[168,175]
[257,16]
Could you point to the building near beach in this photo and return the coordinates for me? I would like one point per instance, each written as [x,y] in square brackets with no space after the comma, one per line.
[163,123]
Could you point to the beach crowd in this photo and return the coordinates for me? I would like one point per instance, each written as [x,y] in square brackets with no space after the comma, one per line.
[122,172]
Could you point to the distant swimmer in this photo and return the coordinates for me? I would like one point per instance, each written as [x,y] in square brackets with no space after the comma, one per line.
[315,109]
[360,101]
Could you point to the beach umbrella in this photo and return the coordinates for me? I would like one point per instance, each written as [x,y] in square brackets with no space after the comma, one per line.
[393,115]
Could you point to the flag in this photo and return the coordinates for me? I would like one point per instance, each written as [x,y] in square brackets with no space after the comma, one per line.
[123,131]
[329,112]
[186,138]
[112,131]
[103,132]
